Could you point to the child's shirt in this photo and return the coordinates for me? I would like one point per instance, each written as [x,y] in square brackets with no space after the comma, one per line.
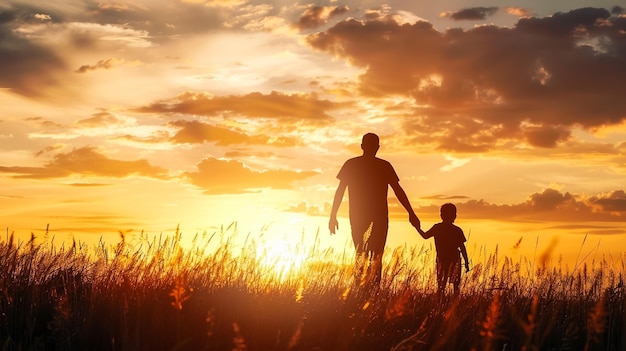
[448,239]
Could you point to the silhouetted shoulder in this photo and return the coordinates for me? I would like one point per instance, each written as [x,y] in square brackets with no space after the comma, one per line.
[370,169]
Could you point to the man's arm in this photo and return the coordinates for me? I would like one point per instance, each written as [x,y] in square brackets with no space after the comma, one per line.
[404,200]
[333,225]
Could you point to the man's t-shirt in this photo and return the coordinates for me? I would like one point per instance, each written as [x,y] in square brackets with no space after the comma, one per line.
[448,238]
[368,180]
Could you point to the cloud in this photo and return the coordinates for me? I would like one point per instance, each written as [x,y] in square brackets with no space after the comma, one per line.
[517,11]
[100,119]
[613,202]
[276,105]
[195,132]
[218,176]
[25,66]
[545,136]
[549,199]
[159,18]
[309,209]
[479,88]
[100,124]
[446,197]
[86,161]
[106,64]
[37,41]
[473,13]
[549,205]
[315,16]
[258,18]
[43,17]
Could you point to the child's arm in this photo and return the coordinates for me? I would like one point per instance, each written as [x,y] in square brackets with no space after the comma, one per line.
[422,233]
[464,254]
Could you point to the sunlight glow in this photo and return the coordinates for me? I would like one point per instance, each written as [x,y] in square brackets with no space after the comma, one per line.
[454,163]
[281,259]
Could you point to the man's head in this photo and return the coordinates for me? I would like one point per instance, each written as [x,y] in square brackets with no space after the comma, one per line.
[369,144]
[448,212]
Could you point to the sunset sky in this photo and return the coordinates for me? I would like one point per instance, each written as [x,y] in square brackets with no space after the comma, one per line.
[148,114]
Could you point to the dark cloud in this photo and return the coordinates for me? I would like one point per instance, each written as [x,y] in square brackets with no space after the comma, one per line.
[233,177]
[614,202]
[86,161]
[315,16]
[6,17]
[546,136]
[102,64]
[473,13]
[549,199]
[25,67]
[305,107]
[475,88]
[563,24]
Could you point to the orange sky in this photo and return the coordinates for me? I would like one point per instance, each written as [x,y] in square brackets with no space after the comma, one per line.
[143,115]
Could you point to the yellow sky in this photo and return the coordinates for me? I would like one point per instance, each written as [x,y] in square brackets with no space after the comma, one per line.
[145,115]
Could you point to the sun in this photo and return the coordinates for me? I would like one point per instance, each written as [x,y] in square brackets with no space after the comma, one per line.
[281,259]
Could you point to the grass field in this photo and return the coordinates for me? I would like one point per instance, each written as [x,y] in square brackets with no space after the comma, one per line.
[155,294]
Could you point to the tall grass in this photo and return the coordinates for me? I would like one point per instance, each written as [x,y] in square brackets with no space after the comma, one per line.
[157,294]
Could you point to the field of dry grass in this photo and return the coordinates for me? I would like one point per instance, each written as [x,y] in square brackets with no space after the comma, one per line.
[155,294]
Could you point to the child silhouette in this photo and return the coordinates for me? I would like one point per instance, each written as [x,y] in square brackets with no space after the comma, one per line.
[449,242]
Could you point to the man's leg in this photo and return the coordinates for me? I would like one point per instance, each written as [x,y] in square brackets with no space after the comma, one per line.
[376,246]
[360,231]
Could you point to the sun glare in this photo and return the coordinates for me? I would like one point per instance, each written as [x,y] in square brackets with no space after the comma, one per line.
[280,259]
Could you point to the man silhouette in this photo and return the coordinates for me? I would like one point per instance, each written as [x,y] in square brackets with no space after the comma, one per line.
[368,178]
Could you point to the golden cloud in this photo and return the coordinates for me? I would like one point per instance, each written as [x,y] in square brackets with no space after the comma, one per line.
[276,105]
[218,176]
[87,161]
[196,132]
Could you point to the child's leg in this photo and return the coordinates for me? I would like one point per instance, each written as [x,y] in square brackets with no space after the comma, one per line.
[455,276]
[441,277]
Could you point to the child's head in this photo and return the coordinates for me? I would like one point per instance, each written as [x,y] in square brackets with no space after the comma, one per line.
[448,212]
